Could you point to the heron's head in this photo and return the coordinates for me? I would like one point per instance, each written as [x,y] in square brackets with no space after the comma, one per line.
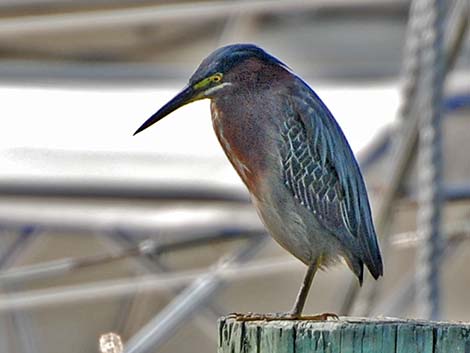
[214,76]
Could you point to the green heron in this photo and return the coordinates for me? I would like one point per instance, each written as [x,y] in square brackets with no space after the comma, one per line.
[293,157]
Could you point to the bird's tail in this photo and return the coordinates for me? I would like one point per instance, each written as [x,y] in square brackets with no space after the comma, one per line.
[369,256]
[372,257]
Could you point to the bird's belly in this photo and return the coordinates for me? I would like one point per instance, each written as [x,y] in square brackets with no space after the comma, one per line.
[295,228]
[289,233]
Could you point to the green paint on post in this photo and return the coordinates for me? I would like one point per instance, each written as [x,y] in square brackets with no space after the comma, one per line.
[348,335]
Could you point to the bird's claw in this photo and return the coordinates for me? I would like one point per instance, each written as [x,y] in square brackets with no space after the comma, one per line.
[320,317]
[281,317]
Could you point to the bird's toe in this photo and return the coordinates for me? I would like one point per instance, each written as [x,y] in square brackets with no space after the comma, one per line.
[289,316]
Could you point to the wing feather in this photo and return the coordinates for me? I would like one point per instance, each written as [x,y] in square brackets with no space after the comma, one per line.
[321,172]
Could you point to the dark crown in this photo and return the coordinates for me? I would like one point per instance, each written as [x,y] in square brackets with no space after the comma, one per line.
[225,58]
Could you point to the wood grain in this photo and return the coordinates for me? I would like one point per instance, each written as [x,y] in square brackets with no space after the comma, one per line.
[347,335]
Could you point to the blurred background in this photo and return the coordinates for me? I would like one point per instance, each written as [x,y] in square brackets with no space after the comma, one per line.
[153,237]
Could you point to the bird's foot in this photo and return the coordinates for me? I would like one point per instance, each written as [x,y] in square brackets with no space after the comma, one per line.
[282,317]
[319,317]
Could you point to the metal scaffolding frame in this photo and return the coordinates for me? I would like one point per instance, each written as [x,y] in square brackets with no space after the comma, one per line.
[145,252]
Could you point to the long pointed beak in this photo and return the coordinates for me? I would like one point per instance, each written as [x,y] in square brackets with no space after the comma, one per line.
[187,95]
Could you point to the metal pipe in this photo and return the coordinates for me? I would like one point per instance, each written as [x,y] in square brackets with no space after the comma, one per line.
[66,265]
[151,15]
[24,330]
[205,318]
[396,302]
[165,192]
[192,298]
[149,283]
[429,218]
[143,222]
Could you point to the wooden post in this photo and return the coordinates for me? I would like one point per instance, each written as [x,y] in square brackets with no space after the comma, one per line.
[347,335]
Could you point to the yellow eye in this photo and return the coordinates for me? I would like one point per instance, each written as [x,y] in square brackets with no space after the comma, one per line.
[216,78]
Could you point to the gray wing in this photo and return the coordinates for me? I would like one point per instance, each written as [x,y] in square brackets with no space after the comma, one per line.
[321,172]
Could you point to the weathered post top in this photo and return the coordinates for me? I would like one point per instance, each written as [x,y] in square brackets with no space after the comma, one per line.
[347,335]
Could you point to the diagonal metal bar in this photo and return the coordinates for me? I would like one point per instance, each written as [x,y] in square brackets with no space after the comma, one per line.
[191,299]
[397,301]
[206,317]
[24,330]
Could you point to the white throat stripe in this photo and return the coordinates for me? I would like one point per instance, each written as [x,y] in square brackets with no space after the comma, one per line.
[216,88]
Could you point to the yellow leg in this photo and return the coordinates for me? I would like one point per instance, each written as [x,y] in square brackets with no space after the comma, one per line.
[304,289]
[296,312]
